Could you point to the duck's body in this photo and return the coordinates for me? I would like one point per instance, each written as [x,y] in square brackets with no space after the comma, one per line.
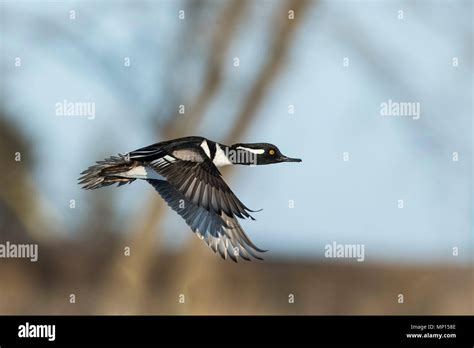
[185,173]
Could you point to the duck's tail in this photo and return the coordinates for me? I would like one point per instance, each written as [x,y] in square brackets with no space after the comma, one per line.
[107,172]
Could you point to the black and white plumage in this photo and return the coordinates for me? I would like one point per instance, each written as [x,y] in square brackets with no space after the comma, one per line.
[185,173]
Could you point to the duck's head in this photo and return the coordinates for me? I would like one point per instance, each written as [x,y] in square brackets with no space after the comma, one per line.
[258,154]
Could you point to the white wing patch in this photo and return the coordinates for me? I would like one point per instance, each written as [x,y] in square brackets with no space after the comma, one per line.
[220,158]
[255,151]
[205,147]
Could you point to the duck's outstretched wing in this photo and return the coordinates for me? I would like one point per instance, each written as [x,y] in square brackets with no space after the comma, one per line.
[201,183]
[221,232]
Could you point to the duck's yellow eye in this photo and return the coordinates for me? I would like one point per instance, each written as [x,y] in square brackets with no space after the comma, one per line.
[271,152]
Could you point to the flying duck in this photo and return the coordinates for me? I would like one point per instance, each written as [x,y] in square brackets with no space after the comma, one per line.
[185,173]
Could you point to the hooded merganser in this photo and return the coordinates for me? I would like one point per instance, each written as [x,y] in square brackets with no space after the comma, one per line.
[184,172]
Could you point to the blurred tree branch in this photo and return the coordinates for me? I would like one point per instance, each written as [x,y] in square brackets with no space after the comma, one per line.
[18,192]
[128,274]
[222,38]
[197,261]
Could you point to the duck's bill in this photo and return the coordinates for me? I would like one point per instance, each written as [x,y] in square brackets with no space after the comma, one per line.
[289,159]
